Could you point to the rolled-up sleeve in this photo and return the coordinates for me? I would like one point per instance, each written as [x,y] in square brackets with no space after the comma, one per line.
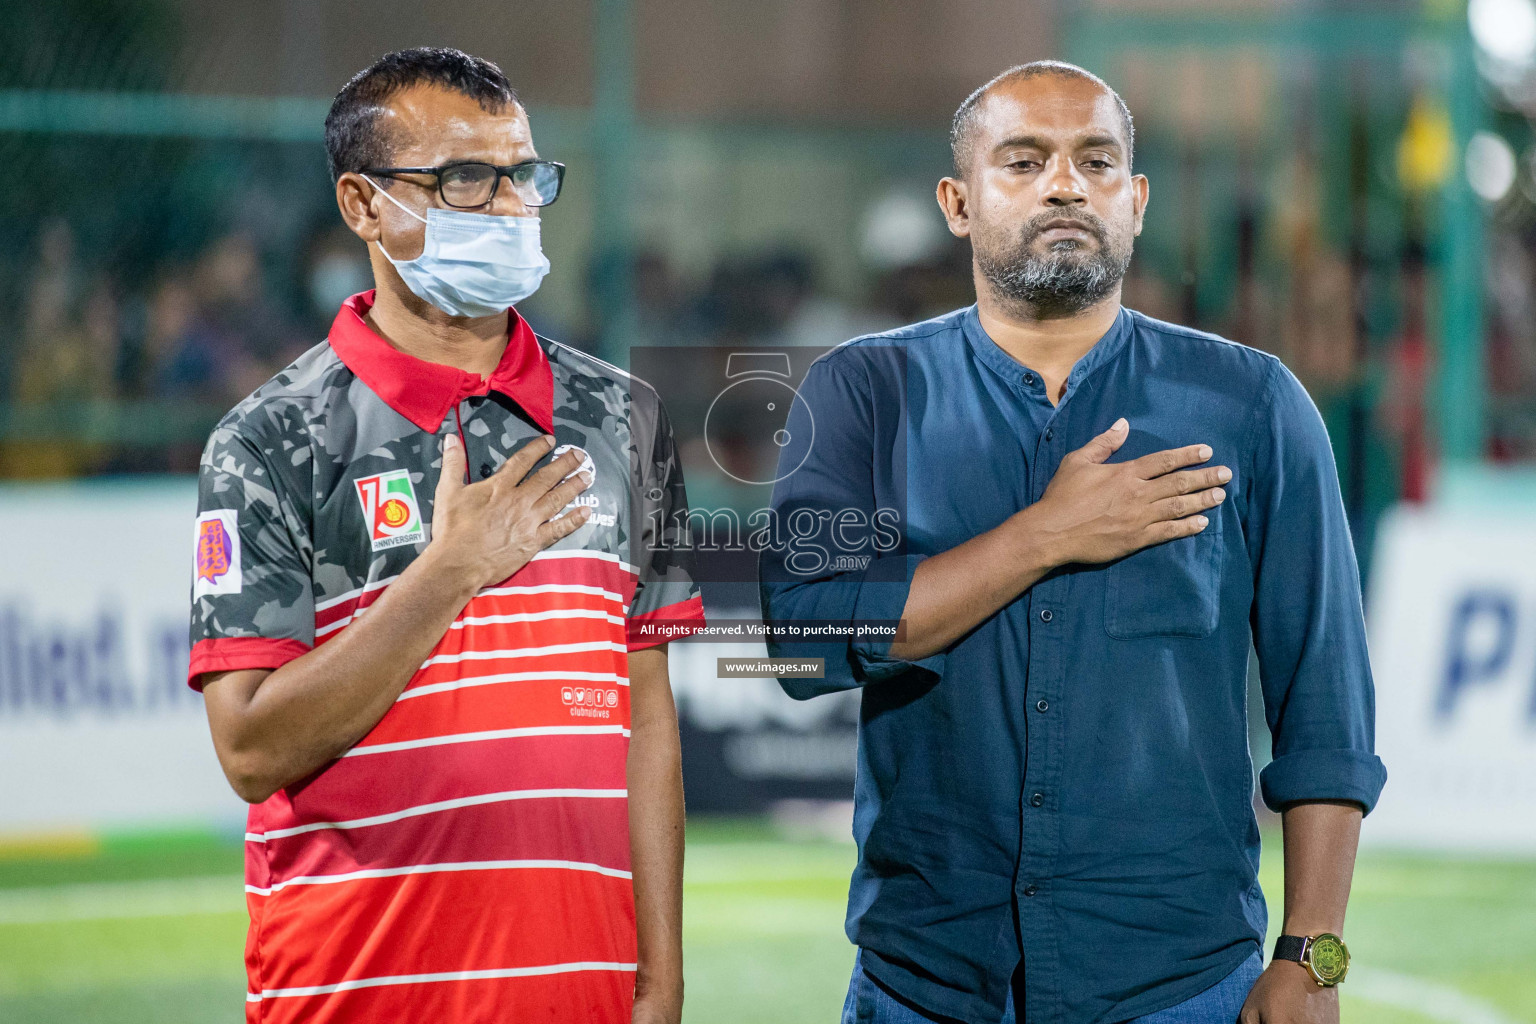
[1308,623]
[836,559]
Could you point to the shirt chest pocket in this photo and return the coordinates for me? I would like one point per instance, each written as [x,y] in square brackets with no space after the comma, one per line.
[1170,589]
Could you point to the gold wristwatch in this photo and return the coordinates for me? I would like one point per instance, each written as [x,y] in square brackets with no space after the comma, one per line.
[1324,956]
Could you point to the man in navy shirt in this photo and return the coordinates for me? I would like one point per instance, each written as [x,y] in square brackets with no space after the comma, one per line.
[1096,513]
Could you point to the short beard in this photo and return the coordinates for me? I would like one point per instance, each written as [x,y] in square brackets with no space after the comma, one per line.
[1064,280]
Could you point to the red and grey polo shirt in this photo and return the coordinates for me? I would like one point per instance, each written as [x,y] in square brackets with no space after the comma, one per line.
[467,860]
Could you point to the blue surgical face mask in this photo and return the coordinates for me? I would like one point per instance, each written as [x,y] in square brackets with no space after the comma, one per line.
[473,264]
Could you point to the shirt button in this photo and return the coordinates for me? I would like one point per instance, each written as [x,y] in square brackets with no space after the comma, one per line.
[1030,890]
[1042,705]
[1046,615]
[485,470]
[1029,379]
[1049,433]
[1037,800]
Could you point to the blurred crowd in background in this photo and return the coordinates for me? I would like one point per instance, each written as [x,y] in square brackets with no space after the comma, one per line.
[204,332]
[1351,187]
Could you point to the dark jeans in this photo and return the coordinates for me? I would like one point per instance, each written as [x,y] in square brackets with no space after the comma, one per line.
[868,1003]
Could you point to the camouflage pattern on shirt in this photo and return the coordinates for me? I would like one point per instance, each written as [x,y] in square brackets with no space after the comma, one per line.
[480,828]
[286,458]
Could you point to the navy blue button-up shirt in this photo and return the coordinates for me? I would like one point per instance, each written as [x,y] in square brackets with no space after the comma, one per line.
[1069,783]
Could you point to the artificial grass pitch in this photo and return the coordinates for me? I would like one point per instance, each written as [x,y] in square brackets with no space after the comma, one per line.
[149,930]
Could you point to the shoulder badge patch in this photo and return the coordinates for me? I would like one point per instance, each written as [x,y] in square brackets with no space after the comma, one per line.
[216,560]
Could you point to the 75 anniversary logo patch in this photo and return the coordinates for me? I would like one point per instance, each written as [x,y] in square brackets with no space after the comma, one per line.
[390,509]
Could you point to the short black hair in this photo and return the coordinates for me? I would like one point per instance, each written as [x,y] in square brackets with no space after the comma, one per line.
[353,139]
[962,129]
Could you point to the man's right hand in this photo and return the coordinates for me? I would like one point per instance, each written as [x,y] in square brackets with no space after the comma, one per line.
[1096,511]
[490,529]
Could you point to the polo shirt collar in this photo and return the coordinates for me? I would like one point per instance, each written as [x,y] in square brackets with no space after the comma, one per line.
[424,392]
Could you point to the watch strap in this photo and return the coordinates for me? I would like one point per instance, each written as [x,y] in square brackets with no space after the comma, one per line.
[1290,947]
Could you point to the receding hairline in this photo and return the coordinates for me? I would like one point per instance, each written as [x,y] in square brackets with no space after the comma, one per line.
[353,136]
[495,106]
[963,127]
[395,110]
[399,129]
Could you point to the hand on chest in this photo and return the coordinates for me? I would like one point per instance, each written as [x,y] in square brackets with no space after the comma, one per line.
[608,465]
[964,480]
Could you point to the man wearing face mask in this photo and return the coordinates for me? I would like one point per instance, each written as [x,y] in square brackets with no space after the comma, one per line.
[1054,799]
[424,551]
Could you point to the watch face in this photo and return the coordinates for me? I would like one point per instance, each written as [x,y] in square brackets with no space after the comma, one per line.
[1328,958]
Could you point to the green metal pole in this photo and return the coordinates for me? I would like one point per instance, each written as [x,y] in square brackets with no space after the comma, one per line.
[611,146]
[163,115]
[1459,382]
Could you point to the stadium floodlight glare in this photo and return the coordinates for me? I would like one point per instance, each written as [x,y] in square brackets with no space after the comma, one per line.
[901,228]
[1490,166]
[1504,29]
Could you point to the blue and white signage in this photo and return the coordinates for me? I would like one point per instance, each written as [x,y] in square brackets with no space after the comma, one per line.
[98,728]
[1452,618]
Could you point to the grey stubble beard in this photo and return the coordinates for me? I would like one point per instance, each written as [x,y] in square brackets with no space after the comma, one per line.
[1064,280]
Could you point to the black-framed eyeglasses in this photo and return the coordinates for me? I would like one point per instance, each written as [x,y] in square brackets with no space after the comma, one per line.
[470,184]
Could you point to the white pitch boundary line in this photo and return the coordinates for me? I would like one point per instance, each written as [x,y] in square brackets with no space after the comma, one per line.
[224,894]
[109,901]
[212,894]
[1425,998]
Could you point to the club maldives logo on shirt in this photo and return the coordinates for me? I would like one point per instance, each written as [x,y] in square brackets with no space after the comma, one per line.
[216,560]
[587,702]
[389,506]
[588,498]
